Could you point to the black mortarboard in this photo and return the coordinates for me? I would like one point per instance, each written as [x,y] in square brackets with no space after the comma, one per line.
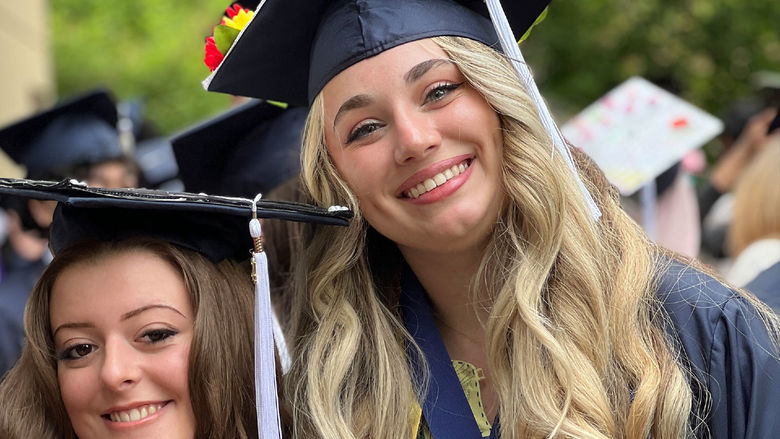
[245,151]
[214,226]
[81,130]
[292,48]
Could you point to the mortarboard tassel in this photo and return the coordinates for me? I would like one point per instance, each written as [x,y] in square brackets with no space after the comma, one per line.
[512,51]
[268,425]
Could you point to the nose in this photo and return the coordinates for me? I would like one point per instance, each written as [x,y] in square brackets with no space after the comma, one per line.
[417,134]
[120,368]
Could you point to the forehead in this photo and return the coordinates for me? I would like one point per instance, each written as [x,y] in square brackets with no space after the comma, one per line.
[115,284]
[375,74]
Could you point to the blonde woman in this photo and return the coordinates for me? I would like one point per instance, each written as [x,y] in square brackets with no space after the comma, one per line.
[478,293]
[754,234]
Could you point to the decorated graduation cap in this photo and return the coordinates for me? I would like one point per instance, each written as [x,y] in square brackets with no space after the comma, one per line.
[247,150]
[266,60]
[81,130]
[214,226]
[269,61]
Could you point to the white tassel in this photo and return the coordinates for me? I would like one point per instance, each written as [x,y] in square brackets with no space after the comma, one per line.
[268,424]
[512,51]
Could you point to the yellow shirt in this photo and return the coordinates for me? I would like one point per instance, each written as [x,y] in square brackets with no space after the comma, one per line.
[469,377]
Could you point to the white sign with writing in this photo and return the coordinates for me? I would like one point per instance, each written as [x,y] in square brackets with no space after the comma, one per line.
[638,130]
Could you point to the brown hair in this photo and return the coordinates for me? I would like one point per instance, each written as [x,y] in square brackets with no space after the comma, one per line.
[220,365]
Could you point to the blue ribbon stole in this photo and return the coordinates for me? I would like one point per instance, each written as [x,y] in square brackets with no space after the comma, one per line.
[444,406]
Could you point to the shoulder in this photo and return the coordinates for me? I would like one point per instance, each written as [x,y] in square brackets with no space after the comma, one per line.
[766,286]
[705,312]
[728,348]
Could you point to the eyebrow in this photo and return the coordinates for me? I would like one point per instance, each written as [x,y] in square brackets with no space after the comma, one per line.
[419,70]
[352,103]
[148,307]
[133,313]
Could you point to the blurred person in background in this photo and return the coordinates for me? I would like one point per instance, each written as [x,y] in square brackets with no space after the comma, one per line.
[78,139]
[754,233]
[746,131]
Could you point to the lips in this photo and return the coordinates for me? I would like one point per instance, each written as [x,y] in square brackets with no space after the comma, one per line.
[134,414]
[434,176]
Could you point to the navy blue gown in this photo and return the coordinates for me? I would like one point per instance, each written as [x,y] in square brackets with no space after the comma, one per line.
[721,337]
[18,279]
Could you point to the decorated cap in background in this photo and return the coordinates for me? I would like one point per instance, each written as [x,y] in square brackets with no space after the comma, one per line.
[638,130]
[245,151]
[291,48]
[81,130]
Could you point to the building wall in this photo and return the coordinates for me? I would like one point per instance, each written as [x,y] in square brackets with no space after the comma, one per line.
[27,76]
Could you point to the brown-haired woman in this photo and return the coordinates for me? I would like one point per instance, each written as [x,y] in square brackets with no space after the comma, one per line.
[134,337]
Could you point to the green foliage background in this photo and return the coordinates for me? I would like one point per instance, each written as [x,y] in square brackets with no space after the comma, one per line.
[706,49]
[147,49]
[154,49]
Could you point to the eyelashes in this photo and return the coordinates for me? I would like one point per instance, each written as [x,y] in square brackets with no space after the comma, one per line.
[436,94]
[441,90]
[79,351]
[363,130]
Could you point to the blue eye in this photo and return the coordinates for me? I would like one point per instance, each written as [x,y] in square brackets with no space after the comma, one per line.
[76,352]
[158,335]
[363,131]
[440,91]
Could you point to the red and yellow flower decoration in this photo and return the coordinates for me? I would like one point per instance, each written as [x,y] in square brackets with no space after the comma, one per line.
[225,34]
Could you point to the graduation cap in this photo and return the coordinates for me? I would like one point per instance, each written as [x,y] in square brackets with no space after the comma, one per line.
[268,60]
[247,150]
[214,226]
[81,130]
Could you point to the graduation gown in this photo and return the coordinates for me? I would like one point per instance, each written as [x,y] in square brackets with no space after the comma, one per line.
[723,340]
[18,279]
[766,286]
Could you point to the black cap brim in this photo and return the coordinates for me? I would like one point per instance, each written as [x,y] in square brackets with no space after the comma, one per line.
[215,226]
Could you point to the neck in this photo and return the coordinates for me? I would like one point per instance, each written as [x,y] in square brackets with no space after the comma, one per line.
[447,278]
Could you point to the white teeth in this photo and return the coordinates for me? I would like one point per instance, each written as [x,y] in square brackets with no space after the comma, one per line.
[135,414]
[435,181]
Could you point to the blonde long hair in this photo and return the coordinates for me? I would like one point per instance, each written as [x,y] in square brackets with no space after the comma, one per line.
[575,339]
[221,377]
[757,199]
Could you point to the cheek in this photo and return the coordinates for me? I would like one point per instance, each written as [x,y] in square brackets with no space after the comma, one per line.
[173,370]
[363,170]
[77,388]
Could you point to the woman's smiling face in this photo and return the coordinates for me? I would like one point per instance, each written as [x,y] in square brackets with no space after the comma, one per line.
[122,332]
[418,146]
